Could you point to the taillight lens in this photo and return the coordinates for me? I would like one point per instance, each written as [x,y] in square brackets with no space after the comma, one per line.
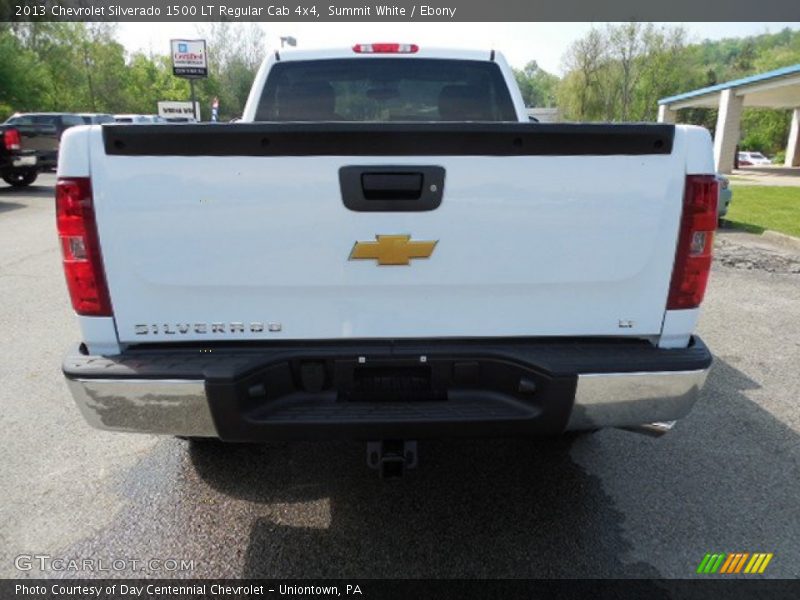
[80,247]
[383,48]
[11,139]
[695,242]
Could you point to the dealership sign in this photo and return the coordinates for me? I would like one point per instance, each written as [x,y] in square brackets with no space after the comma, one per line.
[178,110]
[189,58]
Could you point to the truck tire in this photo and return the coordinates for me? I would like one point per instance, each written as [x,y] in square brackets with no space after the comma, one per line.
[20,178]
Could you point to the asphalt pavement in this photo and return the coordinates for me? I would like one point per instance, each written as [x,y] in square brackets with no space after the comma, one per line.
[613,504]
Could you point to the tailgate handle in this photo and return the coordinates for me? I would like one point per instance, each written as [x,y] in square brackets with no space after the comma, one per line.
[389,188]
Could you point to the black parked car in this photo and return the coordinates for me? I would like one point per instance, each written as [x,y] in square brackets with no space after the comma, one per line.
[18,162]
[42,133]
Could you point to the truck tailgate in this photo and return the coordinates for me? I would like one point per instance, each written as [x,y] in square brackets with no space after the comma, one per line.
[240,232]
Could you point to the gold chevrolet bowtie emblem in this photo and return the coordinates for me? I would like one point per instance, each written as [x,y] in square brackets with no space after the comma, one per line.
[392,249]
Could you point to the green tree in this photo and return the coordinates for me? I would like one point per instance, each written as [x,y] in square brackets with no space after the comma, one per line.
[538,87]
[22,78]
[618,73]
[150,80]
[81,67]
[581,93]
[235,53]
[661,70]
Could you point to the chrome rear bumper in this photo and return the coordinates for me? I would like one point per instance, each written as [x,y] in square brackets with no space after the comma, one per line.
[188,407]
[174,407]
[632,399]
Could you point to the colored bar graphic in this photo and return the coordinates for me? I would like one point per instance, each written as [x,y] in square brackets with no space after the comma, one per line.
[734,562]
[710,563]
[741,562]
[766,562]
[701,568]
[728,562]
[754,563]
[717,563]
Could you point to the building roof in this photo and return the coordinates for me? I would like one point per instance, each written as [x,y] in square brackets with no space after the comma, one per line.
[786,75]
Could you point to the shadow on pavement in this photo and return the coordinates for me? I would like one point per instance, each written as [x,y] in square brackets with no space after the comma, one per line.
[479,508]
[615,504]
[31,191]
[511,507]
[8,206]
[726,479]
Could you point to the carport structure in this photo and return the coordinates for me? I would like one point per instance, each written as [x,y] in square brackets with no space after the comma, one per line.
[774,89]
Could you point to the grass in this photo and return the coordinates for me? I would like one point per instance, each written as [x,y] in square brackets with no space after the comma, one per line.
[758,207]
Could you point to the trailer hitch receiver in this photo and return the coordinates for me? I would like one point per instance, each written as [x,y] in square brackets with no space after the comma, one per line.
[391,458]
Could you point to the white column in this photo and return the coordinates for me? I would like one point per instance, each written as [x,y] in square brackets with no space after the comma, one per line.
[793,147]
[727,134]
[666,114]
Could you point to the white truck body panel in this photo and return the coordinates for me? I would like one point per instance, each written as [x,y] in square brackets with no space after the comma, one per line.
[527,246]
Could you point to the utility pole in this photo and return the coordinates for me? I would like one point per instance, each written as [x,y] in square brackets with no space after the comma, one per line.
[194,102]
[88,64]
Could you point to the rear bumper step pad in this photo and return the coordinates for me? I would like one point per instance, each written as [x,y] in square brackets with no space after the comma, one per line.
[406,389]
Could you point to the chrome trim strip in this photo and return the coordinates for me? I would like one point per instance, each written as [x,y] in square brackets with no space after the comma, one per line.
[631,399]
[165,406]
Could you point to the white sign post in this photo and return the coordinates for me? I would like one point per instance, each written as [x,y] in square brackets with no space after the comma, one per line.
[190,61]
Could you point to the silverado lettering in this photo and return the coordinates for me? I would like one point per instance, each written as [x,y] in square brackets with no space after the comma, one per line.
[185,328]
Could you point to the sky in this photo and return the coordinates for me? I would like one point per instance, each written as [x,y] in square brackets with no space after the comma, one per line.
[520,42]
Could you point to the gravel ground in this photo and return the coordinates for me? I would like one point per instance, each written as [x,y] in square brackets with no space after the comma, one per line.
[750,252]
[614,504]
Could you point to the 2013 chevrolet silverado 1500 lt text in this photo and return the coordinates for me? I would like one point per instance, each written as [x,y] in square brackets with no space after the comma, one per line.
[384,248]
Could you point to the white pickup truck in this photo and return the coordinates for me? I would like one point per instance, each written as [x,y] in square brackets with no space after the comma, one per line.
[385,248]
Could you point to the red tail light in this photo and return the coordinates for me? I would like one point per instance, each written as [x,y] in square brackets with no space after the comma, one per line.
[695,242]
[385,48]
[11,139]
[80,247]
